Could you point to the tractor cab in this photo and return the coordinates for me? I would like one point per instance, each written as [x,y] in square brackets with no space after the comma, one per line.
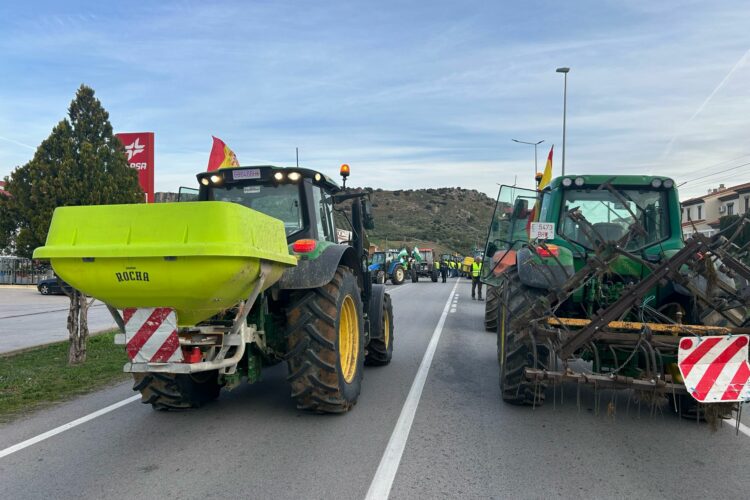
[301,198]
[574,215]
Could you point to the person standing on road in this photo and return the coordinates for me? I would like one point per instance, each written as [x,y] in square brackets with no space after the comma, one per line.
[443,269]
[476,271]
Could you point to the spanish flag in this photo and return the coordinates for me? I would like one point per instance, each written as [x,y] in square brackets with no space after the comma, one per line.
[547,175]
[221,156]
[543,181]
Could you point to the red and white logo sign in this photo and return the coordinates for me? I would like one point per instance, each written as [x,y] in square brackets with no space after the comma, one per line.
[715,369]
[134,148]
[151,335]
[139,147]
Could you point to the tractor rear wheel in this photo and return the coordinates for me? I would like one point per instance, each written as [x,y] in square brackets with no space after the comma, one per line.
[380,349]
[414,275]
[515,349]
[168,391]
[490,309]
[434,275]
[398,275]
[325,341]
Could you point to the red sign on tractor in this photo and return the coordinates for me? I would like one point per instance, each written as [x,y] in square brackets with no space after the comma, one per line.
[139,147]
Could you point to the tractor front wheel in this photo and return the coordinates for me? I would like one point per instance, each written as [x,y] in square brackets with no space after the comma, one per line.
[325,344]
[398,275]
[380,347]
[490,309]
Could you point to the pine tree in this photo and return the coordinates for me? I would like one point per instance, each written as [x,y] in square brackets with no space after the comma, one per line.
[80,163]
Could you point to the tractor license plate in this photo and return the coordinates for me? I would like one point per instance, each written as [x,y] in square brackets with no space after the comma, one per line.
[542,231]
[250,173]
[715,369]
[151,335]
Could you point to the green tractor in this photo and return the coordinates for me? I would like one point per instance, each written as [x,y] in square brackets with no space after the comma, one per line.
[593,270]
[207,293]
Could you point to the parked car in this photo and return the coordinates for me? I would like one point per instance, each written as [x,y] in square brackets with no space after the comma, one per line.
[53,286]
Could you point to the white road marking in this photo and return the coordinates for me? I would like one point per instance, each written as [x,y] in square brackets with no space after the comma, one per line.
[742,427]
[65,427]
[381,484]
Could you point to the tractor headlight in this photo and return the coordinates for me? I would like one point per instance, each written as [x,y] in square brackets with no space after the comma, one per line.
[656,183]
[204,181]
[279,176]
[579,181]
[294,176]
[668,183]
[567,182]
[215,179]
[317,177]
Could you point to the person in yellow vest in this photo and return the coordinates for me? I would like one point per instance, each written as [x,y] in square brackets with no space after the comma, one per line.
[476,271]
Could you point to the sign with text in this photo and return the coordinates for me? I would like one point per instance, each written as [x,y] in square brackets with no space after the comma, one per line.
[139,146]
[542,231]
[343,235]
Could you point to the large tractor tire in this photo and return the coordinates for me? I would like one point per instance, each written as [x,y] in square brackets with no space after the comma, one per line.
[414,275]
[490,309]
[167,391]
[380,347]
[326,345]
[434,275]
[398,275]
[380,277]
[515,350]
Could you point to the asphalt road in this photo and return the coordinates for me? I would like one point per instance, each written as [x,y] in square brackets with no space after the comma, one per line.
[462,443]
[28,318]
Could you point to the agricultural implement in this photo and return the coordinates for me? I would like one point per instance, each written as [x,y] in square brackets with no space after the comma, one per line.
[207,293]
[592,283]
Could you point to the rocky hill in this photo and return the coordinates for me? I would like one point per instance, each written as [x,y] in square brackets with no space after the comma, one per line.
[448,219]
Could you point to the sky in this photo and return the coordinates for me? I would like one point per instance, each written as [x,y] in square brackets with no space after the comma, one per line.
[411,94]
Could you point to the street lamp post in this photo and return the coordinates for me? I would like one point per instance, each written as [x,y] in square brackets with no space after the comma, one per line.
[565,110]
[535,144]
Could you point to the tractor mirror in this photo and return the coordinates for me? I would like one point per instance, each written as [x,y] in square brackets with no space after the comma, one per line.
[367,219]
[520,209]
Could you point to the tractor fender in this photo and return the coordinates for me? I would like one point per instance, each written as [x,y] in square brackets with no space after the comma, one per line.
[544,272]
[314,273]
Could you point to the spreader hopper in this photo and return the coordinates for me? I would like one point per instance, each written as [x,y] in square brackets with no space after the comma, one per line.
[198,258]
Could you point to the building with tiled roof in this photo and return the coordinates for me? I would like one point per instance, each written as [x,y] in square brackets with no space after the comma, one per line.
[701,214]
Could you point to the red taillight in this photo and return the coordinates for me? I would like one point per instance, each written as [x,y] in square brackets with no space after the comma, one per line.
[192,354]
[304,246]
[548,251]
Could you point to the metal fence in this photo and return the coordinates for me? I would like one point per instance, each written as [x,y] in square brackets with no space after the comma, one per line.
[17,271]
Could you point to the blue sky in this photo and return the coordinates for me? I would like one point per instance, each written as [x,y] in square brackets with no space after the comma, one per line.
[410,94]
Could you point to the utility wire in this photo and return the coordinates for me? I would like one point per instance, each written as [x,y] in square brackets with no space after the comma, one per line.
[714,173]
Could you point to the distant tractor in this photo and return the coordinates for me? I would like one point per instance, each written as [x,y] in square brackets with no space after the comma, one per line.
[386,266]
[427,267]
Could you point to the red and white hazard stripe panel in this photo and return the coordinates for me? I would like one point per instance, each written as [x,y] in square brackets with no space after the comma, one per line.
[715,369]
[151,335]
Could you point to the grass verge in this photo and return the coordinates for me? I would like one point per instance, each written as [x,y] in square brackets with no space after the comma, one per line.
[36,378]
